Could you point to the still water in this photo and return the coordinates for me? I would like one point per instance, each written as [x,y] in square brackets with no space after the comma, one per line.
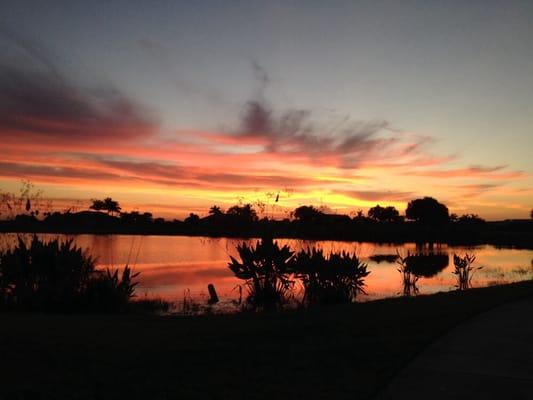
[174,266]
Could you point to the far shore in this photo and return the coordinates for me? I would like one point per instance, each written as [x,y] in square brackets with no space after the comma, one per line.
[508,233]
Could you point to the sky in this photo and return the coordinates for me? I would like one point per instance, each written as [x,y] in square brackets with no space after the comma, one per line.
[174,106]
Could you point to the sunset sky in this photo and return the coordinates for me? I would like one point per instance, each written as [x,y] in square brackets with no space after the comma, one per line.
[173,106]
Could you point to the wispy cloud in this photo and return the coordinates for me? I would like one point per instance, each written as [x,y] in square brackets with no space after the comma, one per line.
[37,105]
[379,195]
[55,131]
[496,172]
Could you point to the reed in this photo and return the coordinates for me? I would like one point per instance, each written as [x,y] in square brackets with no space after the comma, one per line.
[464,270]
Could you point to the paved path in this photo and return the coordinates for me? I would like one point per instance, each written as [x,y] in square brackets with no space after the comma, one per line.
[488,357]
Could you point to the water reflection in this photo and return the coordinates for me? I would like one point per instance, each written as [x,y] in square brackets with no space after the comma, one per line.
[171,265]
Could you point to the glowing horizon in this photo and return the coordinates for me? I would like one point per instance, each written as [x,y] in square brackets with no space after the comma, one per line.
[167,118]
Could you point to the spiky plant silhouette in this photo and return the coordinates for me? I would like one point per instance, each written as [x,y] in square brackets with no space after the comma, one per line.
[332,279]
[409,278]
[266,270]
[54,275]
[464,270]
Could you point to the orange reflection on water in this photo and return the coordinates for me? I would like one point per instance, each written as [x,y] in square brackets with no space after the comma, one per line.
[170,265]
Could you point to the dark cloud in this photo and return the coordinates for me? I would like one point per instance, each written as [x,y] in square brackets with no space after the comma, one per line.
[20,170]
[351,143]
[35,52]
[38,102]
[40,105]
[174,174]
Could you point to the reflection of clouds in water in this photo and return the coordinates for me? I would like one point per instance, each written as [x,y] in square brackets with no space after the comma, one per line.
[170,264]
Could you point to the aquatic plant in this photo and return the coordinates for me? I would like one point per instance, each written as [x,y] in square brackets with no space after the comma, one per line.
[333,279]
[464,270]
[266,270]
[409,278]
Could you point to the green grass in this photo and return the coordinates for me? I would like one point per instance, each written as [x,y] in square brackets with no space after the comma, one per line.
[341,352]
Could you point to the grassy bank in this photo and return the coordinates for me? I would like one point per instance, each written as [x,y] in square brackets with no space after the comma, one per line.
[338,352]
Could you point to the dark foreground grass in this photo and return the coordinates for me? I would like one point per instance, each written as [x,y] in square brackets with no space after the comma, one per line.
[344,352]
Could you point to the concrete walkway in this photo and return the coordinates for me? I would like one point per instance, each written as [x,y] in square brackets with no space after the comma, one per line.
[488,357]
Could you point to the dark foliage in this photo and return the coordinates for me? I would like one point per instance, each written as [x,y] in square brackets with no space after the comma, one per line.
[266,270]
[244,214]
[107,204]
[409,279]
[192,219]
[384,214]
[333,279]
[55,276]
[309,223]
[467,219]
[427,211]
[464,270]
[416,265]
[136,218]
[307,214]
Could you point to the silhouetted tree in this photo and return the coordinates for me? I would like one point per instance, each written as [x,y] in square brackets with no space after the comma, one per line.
[428,211]
[107,204]
[384,214]
[470,219]
[136,217]
[192,219]
[307,213]
[244,213]
[216,211]
[531,213]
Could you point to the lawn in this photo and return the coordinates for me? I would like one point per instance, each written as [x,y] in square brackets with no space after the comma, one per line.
[341,352]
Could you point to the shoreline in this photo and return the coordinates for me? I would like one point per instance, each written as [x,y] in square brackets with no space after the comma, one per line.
[520,241]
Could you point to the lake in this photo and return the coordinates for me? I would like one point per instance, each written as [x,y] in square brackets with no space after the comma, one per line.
[172,267]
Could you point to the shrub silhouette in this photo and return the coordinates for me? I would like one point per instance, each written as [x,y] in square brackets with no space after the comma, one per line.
[409,279]
[55,276]
[384,214]
[464,270]
[416,265]
[333,279]
[107,292]
[266,270]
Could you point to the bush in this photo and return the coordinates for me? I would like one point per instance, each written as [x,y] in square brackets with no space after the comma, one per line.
[464,270]
[333,279]
[266,271]
[57,276]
